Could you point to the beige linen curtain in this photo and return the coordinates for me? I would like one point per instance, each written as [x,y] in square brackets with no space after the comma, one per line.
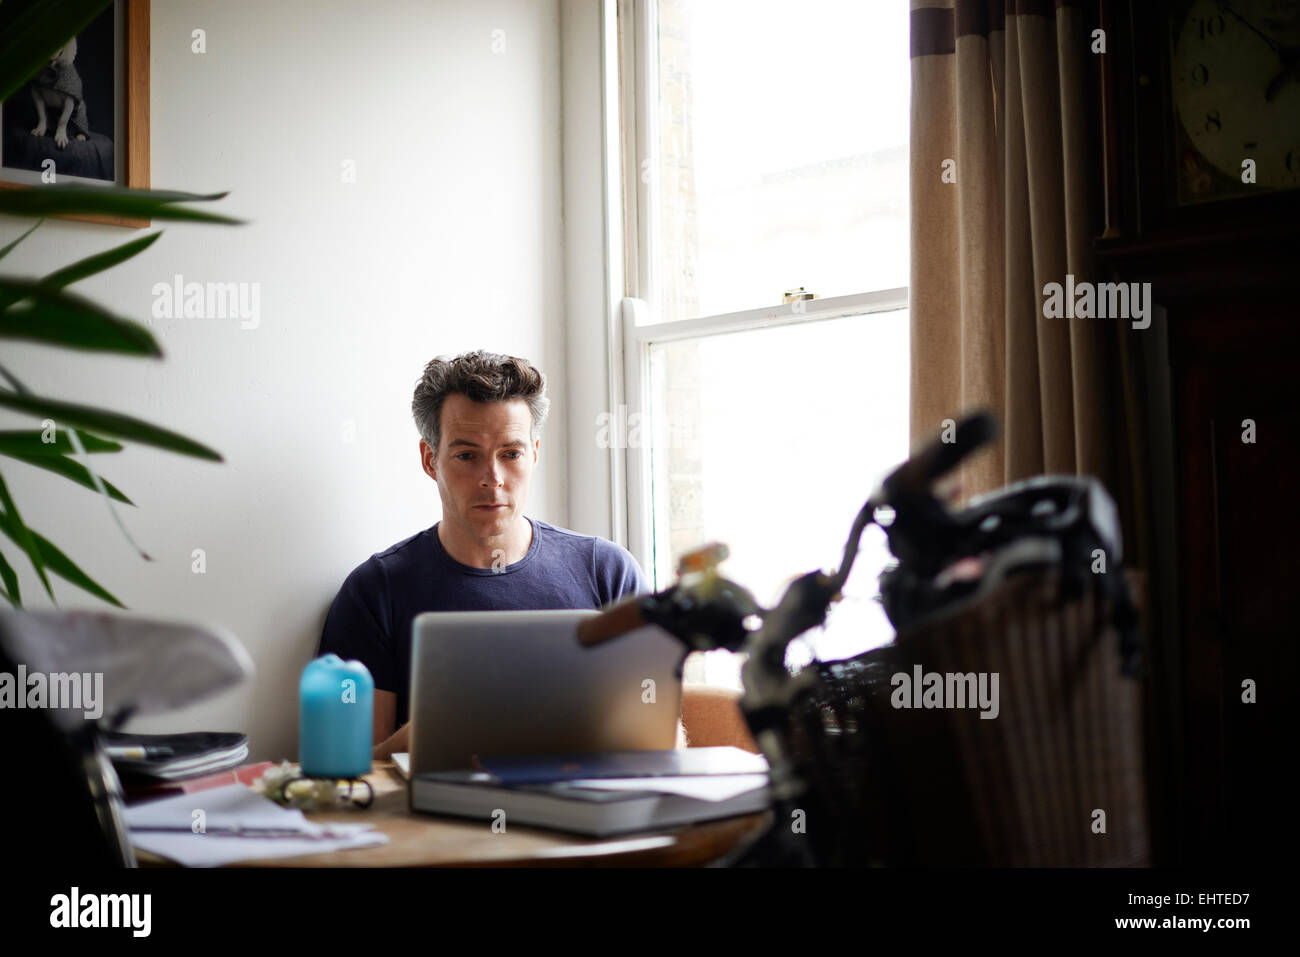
[999,104]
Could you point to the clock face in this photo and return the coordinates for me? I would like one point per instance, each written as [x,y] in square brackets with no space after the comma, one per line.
[1235,77]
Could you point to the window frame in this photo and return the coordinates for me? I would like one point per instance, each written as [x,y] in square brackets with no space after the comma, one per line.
[632,31]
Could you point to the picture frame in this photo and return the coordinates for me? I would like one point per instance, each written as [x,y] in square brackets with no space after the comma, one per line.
[105,153]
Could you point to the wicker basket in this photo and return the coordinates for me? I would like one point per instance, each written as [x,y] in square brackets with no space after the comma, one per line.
[944,786]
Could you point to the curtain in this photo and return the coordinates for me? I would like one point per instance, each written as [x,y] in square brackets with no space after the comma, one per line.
[1003,170]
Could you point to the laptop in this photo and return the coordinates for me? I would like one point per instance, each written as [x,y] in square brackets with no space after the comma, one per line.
[518,682]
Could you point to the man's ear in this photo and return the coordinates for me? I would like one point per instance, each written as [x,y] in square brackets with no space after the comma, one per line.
[428,461]
[537,444]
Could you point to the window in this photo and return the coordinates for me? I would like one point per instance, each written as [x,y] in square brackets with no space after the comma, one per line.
[765,163]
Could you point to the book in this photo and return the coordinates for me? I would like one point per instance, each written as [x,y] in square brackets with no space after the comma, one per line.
[569,807]
[148,758]
[245,775]
[601,794]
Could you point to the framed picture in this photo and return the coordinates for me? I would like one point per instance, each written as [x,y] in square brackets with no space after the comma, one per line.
[84,117]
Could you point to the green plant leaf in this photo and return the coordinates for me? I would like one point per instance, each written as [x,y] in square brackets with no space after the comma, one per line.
[30,310]
[60,318]
[31,30]
[10,577]
[74,441]
[108,201]
[5,252]
[98,262]
[23,536]
[30,443]
[107,423]
[70,470]
[60,564]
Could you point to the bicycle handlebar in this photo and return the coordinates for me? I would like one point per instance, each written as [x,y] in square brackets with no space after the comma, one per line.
[613,621]
[690,615]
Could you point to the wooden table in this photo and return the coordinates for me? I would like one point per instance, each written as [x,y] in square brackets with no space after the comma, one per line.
[427,840]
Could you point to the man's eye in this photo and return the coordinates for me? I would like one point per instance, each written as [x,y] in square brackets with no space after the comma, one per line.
[516,454]
[464,455]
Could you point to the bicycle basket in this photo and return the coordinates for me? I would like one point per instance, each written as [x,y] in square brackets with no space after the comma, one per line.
[1055,779]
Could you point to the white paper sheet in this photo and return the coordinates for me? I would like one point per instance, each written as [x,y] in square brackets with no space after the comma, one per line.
[231,805]
[212,850]
[702,787]
[236,806]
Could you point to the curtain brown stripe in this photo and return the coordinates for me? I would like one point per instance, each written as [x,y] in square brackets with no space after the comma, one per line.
[978,17]
[934,29]
[1042,8]
[932,32]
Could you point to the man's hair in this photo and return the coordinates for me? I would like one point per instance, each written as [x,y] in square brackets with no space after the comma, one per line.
[482,377]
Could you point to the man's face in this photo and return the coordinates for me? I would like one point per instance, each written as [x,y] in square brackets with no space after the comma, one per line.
[483,464]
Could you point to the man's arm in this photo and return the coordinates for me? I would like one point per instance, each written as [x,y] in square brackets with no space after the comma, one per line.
[357,626]
[385,715]
[386,740]
[400,740]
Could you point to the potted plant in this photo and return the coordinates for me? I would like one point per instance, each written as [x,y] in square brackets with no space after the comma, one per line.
[44,310]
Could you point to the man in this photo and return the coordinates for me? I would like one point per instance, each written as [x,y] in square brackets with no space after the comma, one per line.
[480,419]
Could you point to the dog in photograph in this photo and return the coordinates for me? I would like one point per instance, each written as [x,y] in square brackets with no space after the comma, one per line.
[57,92]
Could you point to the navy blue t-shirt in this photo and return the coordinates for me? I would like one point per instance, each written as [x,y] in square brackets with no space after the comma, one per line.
[371,616]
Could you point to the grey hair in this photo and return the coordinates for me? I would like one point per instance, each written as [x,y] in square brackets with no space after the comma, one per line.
[482,377]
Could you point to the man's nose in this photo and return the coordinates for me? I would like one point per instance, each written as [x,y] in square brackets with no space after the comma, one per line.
[493,474]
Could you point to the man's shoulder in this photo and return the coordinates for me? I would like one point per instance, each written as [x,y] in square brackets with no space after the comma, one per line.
[404,547]
[615,570]
[603,549]
[555,531]
[393,558]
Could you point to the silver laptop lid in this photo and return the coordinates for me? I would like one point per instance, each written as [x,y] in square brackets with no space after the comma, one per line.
[518,682]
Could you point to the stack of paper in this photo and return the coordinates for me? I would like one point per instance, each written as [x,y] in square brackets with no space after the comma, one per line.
[720,787]
[234,823]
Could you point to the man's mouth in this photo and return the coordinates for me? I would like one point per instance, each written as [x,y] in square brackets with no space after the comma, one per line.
[492,507]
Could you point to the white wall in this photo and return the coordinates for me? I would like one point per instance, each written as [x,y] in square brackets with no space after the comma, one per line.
[450,239]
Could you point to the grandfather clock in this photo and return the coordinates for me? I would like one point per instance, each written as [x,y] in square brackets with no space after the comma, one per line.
[1201,113]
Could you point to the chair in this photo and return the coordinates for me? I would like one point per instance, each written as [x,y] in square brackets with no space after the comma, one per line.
[712,718]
